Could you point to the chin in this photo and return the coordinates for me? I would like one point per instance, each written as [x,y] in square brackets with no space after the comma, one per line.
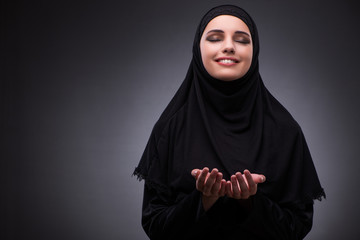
[227,75]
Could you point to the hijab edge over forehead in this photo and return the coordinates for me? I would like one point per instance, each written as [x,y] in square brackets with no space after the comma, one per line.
[227,10]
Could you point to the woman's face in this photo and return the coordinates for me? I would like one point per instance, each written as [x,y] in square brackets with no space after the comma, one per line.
[226,48]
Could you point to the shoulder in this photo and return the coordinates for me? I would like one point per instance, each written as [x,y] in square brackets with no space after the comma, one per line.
[281,119]
[170,122]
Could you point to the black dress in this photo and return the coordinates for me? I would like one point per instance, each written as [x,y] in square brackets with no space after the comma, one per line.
[227,219]
[231,126]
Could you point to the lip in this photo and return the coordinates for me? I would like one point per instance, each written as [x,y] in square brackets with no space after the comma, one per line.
[234,61]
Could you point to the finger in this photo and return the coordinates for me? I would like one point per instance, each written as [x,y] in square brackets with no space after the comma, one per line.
[195,173]
[235,187]
[249,179]
[210,182]
[258,178]
[251,184]
[229,192]
[200,182]
[216,186]
[244,190]
[222,188]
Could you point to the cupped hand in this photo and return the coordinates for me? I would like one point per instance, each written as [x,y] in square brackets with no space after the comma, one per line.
[210,184]
[242,186]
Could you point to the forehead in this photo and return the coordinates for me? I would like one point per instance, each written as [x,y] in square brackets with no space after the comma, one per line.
[227,23]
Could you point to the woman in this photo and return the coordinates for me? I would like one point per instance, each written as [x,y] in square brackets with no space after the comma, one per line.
[262,181]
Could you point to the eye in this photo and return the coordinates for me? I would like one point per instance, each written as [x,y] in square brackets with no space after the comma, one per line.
[214,38]
[243,40]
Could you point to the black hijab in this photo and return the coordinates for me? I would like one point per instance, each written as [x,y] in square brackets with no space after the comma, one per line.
[230,125]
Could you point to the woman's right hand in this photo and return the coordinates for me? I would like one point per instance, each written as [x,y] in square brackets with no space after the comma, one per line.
[210,184]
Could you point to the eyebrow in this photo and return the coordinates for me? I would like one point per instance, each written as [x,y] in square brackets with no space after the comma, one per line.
[221,31]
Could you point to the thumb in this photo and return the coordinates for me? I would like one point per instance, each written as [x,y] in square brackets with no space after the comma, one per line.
[195,173]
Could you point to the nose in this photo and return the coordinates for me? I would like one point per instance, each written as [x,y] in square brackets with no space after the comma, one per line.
[229,50]
[229,46]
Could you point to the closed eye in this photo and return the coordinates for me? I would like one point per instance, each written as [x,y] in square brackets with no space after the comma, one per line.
[213,39]
[243,41]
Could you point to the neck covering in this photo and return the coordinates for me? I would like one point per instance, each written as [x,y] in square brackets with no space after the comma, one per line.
[231,125]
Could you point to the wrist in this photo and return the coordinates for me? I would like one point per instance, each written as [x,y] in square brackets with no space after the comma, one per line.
[245,203]
[208,202]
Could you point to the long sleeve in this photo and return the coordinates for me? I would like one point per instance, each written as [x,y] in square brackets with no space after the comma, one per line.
[267,220]
[183,219]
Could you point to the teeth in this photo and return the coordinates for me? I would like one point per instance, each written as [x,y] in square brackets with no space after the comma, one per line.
[227,61]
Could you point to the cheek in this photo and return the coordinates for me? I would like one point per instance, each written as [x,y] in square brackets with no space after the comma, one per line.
[207,54]
[247,56]
[208,50]
[250,54]
[245,53]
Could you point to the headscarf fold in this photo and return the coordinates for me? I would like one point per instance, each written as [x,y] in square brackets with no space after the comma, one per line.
[230,125]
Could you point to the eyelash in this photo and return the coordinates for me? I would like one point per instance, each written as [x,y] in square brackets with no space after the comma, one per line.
[213,40]
[238,41]
[243,41]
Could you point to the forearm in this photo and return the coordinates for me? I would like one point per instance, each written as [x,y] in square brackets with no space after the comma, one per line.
[208,202]
[164,220]
[268,219]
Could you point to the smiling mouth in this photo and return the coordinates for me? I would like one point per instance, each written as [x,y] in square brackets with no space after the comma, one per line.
[227,61]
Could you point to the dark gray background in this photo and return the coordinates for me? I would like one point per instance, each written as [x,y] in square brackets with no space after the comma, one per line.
[83,84]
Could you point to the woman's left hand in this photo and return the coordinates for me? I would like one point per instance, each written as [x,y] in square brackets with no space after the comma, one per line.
[242,186]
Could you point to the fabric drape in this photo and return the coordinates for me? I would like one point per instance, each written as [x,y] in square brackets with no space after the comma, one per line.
[232,126]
